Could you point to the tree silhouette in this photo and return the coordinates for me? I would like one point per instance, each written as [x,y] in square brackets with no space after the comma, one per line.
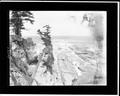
[48,50]
[17,19]
[17,23]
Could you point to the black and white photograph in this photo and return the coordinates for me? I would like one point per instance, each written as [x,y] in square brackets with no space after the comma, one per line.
[57,48]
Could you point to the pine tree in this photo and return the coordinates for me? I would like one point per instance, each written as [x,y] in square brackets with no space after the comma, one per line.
[48,50]
[17,23]
[17,19]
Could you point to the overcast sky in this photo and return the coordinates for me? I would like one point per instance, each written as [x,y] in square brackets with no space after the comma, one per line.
[62,23]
